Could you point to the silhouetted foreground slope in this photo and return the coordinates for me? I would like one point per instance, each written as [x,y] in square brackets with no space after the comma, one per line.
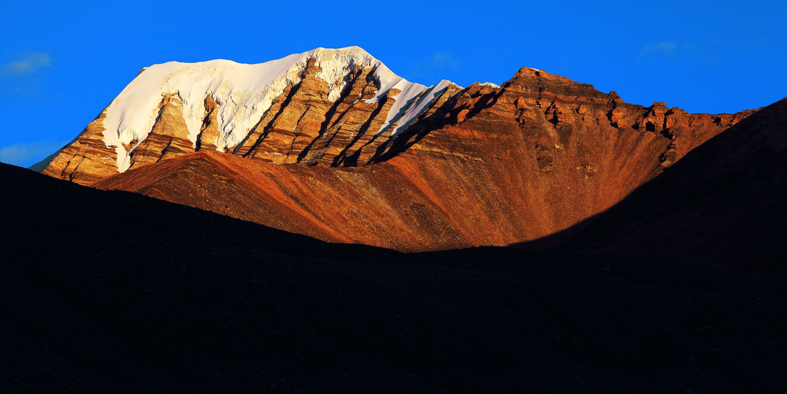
[725,203]
[105,292]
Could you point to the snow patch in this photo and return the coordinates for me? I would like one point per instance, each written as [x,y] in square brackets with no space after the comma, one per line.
[402,102]
[243,94]
[336,66]
[429,94]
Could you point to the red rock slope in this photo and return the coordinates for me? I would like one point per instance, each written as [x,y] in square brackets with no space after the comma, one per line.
[481,166]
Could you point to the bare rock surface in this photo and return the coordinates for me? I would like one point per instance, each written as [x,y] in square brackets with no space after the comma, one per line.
[483,165]
[88,149]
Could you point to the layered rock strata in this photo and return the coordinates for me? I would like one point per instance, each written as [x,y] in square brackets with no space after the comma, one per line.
[365,157]
[334,107]
[87,159]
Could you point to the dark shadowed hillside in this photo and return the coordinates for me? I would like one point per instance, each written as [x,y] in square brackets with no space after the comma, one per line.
[724,203]
[114,292]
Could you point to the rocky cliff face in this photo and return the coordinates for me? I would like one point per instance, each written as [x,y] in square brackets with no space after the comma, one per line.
[330,107]
[542,152]
[333,145]
[88,149]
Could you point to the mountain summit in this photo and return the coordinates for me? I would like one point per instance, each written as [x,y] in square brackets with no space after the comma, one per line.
[376,159]
[174,108]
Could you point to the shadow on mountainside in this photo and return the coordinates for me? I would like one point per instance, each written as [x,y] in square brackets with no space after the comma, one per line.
[108,291]
[723,203]
[420,127]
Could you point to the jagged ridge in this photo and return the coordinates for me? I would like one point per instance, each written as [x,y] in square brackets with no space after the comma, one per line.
[271,110]
[453,167]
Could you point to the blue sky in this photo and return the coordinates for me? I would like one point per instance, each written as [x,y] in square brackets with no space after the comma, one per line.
[61,64]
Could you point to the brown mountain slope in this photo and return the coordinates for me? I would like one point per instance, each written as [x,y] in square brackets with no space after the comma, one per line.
[418,169]
[481,166]
[724,203]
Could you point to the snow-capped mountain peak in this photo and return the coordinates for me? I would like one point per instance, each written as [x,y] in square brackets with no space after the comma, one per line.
[242,92]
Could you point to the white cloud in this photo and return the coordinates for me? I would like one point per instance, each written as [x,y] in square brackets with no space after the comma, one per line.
[445,59]
[26,65]
[671,51]
[24,155]
[664,48]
